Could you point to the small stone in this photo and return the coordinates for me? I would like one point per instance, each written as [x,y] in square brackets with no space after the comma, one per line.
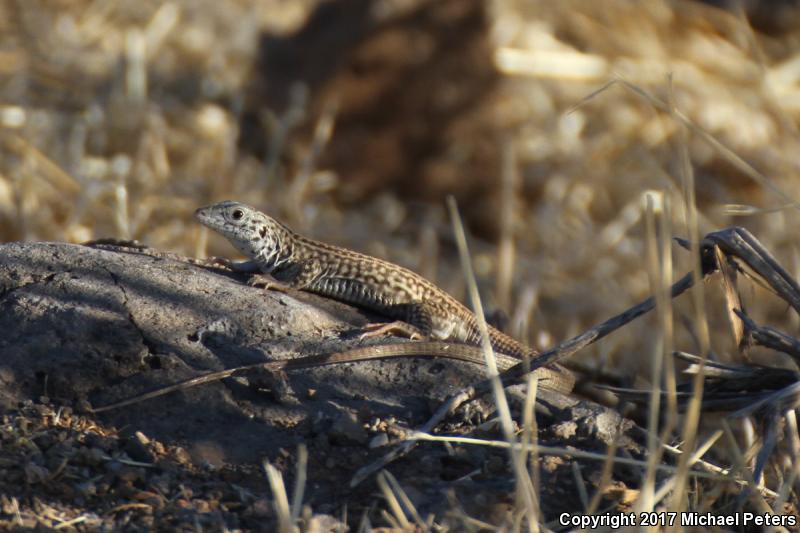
[182,456]
[141,437]
[138,451]
[346,428]
[381,439]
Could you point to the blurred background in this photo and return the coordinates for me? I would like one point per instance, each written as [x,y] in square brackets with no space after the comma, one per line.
[353,120]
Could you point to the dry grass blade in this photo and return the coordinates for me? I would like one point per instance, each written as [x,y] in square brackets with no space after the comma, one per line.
[401,497]
[646,501]
[709,471]
[525,488]
[731,380]
[563,350]
[299,482]
[732,299]
[749,210]
[280,500]
[394,504]
[692,420]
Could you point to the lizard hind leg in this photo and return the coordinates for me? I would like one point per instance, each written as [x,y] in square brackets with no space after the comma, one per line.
[398,328]
[416,323]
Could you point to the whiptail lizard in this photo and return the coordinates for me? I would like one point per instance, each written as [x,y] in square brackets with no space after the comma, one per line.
[352,277]
[396,292]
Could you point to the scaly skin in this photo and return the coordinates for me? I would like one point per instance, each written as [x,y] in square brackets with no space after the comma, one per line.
[380,286]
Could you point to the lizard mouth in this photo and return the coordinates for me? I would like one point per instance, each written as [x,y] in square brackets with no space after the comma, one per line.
[201,214]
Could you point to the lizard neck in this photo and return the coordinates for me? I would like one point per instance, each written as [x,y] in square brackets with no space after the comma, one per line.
[275,248]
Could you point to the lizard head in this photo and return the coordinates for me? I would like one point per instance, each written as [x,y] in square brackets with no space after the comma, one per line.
[253,233]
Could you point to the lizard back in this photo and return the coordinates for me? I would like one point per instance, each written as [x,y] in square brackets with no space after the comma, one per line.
[350,276]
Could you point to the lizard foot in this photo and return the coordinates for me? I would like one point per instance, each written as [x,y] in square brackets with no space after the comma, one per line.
[216,261]
[401,329]
[267,282]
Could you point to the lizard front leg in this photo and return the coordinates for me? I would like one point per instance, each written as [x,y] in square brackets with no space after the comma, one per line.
[296,276]
[257,279]
[235,266]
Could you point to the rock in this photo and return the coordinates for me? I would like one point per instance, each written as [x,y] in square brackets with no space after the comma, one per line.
[101,324]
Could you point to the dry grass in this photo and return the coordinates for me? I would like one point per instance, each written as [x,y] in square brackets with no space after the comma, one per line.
[118,119]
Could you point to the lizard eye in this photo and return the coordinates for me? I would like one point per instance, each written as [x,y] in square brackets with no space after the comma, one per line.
[237,214]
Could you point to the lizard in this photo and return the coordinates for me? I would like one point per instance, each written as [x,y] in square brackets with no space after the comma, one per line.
[295,261]
[298,262]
